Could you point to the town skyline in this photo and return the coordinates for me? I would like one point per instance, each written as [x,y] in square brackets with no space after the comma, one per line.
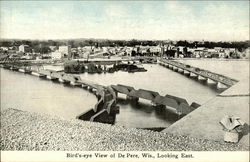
[125,20]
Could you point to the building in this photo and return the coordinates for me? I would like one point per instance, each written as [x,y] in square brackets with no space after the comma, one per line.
[155,49]
[24,48]
[57,55]
[65,50]
[218,49]
[128,50]
[4,48]
[97,50]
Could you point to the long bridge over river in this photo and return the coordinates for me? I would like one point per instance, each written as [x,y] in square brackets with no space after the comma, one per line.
[212,78]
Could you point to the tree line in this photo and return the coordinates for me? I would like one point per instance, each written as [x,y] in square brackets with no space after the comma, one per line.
[42,46]
[240,45]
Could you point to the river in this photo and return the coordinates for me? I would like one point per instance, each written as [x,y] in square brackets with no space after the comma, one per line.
[30,93]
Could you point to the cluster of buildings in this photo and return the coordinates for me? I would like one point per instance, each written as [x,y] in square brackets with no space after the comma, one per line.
[60,52]
[202,52]
[91,51]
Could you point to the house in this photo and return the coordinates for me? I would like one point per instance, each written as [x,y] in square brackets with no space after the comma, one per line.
[128,50]
[230,52]
[198,53]
[4,48]
[24,48]
[181,49]
[57,55]
[65,50]
[218,49]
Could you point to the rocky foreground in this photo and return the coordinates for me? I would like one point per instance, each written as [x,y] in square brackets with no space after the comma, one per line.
[29,131]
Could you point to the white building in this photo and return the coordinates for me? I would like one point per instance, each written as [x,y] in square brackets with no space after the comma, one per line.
[65,50]
[218,49]
[57,55]
[4,48]
[128,50]
[23,48]
[155,49]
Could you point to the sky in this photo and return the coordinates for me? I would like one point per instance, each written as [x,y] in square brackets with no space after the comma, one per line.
[152,20]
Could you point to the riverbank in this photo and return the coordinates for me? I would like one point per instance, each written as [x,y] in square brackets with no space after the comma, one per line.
[22,130]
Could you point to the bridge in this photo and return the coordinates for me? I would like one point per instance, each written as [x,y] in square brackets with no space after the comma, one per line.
[201,74]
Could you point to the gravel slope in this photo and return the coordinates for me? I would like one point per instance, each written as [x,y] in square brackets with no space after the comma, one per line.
[28,131]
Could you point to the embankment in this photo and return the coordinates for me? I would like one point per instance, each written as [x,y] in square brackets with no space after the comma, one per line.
[204,121]
[28,131]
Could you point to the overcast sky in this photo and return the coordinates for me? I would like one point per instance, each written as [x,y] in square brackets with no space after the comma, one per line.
[175,20]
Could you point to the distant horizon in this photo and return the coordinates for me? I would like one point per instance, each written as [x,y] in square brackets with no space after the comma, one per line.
[214,21]
[66,39]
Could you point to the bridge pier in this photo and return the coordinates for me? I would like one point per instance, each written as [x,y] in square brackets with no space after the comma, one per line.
[84,86]
[153,104]
[180,70]
[201,78]
[23,70]
[166,65]
[193,75]
[89,88]
[61,80]
[210,81]
[74,83]
[175,68]
[186,72]
[132,98]
[94,90]
[13,68]
[50,77]
[37,74]
[221,86]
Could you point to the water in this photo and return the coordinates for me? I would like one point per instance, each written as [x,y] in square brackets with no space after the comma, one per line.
[159,79]
[30,93]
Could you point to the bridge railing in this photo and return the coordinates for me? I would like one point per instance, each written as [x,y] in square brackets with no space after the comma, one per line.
[216,77]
